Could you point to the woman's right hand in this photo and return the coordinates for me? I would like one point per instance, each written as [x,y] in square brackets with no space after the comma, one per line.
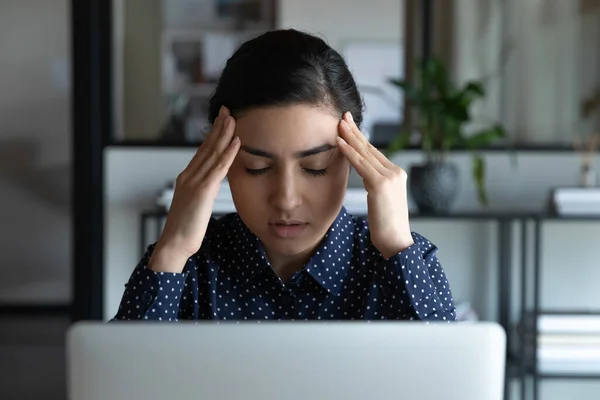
[196,188]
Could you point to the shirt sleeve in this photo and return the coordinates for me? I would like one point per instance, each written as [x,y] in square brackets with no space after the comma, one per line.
[157,296]
[421,284]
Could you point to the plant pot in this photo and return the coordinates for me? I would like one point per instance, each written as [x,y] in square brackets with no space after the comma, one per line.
[434,186]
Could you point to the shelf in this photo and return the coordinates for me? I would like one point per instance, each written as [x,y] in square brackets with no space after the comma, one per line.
[218,26]
[542,368]
[514,369]
[464,216]
[568,218]
[519,148]
[567,376]
[568,312]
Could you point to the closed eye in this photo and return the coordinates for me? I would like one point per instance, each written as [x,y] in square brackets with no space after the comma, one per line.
[316,172]
[257,172]
[312,172]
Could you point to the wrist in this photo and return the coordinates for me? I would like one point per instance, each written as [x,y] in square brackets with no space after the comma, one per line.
[396,247]
[166,259]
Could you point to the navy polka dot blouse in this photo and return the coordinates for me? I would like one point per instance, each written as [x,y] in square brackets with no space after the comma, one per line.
[229,278]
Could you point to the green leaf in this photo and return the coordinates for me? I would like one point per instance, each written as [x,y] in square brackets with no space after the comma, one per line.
[437,75]
[451,133]
[479,177]
[485,137]
[440,110]
[401,83]
[462,100]
[411,93]
[474,88]
[457,108]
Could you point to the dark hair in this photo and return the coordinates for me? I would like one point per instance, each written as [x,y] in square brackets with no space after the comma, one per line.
[286,67]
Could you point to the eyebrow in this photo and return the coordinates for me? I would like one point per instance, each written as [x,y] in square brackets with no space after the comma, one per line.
[300,154]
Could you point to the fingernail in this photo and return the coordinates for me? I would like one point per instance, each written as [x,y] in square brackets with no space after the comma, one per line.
[221,110]
[350,116]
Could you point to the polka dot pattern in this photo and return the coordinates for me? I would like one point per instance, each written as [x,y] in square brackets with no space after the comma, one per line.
[230,278]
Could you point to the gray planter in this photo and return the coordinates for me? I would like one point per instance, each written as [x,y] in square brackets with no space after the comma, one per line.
[434,186]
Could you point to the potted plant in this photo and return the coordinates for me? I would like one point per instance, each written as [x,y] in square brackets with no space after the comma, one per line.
[441,111]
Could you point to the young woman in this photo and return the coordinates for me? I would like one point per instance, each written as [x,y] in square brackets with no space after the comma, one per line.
[286,118]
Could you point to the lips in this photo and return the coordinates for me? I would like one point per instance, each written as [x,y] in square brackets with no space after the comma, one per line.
[287,222]
[288,228]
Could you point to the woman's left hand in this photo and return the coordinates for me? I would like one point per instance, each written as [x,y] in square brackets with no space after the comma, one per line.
[385,183]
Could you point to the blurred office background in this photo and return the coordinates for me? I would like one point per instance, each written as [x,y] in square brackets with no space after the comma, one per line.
[103,103]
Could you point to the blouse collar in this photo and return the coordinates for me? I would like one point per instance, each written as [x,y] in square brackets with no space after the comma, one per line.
[328,266]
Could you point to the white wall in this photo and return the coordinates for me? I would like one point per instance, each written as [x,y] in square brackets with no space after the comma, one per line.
[34,151]
[549,69]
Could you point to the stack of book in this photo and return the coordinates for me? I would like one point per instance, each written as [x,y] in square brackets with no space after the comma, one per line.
[569,344]
[575,201]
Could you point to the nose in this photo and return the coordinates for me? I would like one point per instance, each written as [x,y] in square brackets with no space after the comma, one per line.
[285,192]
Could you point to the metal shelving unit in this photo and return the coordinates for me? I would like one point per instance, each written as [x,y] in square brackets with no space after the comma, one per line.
[529,366]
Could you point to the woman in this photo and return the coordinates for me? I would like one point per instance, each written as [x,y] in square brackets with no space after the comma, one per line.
[286,118]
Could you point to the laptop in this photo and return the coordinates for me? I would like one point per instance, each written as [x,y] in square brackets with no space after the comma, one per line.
[285,360]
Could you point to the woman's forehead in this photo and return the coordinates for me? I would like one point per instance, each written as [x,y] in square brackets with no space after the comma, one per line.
[293,128]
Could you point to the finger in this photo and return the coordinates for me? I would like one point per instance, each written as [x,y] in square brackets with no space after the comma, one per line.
[226,135]
[223,140]
[201,154]
[372,149]
[215,132]
[354,128]
[383,159]
[221,167]
[364,168]
[353,141]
